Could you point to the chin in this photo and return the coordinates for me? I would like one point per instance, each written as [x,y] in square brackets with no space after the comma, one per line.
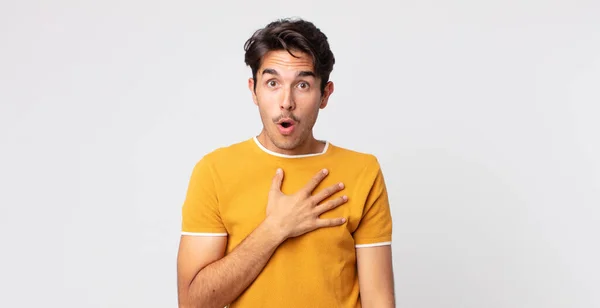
[286,144]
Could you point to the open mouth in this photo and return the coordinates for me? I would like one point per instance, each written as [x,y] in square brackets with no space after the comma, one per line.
[286,126]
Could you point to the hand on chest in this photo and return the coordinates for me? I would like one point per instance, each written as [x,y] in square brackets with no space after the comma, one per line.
[243,204]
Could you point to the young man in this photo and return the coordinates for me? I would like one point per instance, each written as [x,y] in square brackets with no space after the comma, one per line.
[283,219]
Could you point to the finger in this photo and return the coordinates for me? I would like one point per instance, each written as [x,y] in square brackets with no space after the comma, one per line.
[277,180]
[323,223]
[326,192]
[314,182]
[331,204]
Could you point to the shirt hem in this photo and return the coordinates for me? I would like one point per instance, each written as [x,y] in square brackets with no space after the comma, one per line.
[204,233]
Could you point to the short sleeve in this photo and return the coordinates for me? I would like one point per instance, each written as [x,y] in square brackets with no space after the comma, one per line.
[375,226]
[200,211]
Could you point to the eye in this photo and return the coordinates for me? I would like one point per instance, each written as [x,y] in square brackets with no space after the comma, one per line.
[271,83]
[303,85]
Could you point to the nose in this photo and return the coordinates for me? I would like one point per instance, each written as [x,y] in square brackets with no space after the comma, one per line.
[287,102]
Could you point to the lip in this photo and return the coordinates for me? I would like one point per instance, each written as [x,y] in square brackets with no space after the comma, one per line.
[288,120]
[286,131]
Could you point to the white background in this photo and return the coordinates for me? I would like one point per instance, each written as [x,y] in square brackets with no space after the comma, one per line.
[483,114]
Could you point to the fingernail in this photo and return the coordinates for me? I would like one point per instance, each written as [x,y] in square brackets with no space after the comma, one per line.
[341,185]
[278,170]
[345,198]
[343,220]
[325,171]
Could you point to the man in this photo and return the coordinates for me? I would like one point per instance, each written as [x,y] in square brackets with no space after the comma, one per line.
[283,219]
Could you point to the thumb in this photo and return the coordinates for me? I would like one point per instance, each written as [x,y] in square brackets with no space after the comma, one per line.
[277,180]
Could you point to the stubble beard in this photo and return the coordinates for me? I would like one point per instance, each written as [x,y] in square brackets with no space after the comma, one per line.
[287,143]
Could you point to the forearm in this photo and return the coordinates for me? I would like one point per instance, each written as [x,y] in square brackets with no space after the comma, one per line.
[222,281]
[382,301]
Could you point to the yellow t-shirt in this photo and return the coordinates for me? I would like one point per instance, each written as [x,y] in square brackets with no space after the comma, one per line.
[227,196]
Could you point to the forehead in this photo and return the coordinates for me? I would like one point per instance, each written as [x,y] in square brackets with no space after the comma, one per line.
[283,62]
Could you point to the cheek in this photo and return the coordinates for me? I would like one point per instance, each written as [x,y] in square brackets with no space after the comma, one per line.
[267,107]
[308,102]
[268,100]
[309,114]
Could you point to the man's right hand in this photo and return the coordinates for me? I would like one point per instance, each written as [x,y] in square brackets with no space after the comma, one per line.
[297,214]
[208,277]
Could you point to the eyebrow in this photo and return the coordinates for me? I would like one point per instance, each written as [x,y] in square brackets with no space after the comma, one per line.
[300,74]
[306,74]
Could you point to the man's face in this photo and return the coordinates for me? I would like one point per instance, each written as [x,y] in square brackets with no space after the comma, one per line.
[288,97]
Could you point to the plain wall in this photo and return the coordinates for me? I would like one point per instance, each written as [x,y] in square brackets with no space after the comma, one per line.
[483,114]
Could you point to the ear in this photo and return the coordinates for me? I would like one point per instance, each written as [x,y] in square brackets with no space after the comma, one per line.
[326,93]
[251,88]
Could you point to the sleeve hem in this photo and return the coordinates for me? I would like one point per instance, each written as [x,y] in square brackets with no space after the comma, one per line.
[373,240]
[204,233]
[373,244]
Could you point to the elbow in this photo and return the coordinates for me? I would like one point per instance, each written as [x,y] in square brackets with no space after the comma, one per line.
[197,299]
[188,302]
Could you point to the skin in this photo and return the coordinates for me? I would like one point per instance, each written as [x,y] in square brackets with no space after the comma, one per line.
[375,276]
[209,278]
[286,86]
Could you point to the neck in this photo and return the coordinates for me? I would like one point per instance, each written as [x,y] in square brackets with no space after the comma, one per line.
[308,146]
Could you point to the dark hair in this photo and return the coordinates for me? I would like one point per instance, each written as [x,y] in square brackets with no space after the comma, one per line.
[291,34]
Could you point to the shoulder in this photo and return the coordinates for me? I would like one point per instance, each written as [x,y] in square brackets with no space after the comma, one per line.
[362,160]
[226,153]
[220,157]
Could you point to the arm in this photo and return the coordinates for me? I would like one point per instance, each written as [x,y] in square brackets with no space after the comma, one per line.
[375,276]
[373,239]
[207,278]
